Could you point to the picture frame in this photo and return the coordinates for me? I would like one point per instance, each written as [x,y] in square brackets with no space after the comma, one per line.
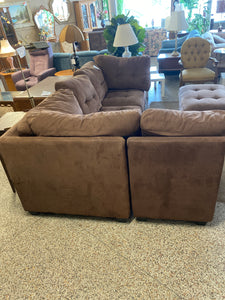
[21,15]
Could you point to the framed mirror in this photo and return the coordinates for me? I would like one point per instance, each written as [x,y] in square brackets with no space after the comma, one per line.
[61,10]
[45,22]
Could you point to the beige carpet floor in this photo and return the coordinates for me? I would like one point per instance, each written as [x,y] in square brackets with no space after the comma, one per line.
[62,257]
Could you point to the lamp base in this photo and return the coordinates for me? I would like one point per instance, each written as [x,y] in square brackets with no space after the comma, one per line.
[126,53]
[175,53]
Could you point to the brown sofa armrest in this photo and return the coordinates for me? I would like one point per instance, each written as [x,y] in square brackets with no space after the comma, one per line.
[175,177]
[81,176]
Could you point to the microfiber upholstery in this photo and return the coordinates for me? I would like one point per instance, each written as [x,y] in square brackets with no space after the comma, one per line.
[183,123]
[96,77]
[202,97]
[125,73]
[62,101]
[125,97]
[84,91]
[113,123]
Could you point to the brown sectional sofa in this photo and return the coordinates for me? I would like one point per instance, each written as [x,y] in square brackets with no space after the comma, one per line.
[64,158]
[68,154]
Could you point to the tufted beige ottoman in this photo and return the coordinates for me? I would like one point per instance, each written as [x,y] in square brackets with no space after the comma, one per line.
[202,97]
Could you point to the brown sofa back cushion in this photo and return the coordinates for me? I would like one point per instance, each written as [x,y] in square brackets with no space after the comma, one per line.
[84,91]
[62,101]
[115,123]
[125,73]
[96,77]
[183,123]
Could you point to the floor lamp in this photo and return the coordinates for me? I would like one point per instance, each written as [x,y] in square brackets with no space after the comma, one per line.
[72,34]
[177,22]
[7,51]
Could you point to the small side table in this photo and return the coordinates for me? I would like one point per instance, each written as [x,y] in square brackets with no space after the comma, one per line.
[159,77]
[64,73]
[168,63]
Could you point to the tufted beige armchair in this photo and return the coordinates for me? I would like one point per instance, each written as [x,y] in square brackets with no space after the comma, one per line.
[195,54]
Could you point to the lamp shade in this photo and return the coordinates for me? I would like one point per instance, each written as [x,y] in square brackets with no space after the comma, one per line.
[6,49]
[220,8]
[71,34]
[125,36]
[177,21]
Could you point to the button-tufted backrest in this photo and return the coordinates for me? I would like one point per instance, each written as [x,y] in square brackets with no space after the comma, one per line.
[195,53]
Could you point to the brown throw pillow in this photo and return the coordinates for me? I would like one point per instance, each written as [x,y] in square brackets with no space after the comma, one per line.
[114,123]
[183,123]
[125,73]
[84,91]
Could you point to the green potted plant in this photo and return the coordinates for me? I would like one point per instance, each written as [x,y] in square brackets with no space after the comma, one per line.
[200,21]
[110,31]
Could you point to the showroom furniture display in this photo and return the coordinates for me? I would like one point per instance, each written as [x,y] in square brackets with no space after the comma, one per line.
[41,66]
[76,153]
[82,172]
[195,54]
[202,97]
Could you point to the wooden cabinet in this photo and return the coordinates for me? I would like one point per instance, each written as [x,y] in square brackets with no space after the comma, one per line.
[86,19]
[96,40]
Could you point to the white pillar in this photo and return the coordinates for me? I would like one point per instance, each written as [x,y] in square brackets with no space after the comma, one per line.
[112,8]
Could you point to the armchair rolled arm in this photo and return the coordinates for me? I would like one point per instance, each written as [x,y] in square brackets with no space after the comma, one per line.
[18,75]
[46,73]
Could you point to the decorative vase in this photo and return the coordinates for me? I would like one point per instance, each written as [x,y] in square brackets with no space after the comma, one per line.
[103,23]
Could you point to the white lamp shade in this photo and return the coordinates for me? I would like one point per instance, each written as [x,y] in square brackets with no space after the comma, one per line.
[6,49]
[125,36]
[177,21]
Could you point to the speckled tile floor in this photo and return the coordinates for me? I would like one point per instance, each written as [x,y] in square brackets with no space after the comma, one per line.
[62,257]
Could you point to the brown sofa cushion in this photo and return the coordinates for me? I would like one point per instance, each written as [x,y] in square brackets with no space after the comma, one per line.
[96,77]
[129,97]
[115,123]
[183,123]
[62,101]
[125,73]
[84,91]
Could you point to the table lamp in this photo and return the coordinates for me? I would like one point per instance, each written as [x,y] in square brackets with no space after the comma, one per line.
[125,37]
[7,51]
[177,22]
[72,34]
